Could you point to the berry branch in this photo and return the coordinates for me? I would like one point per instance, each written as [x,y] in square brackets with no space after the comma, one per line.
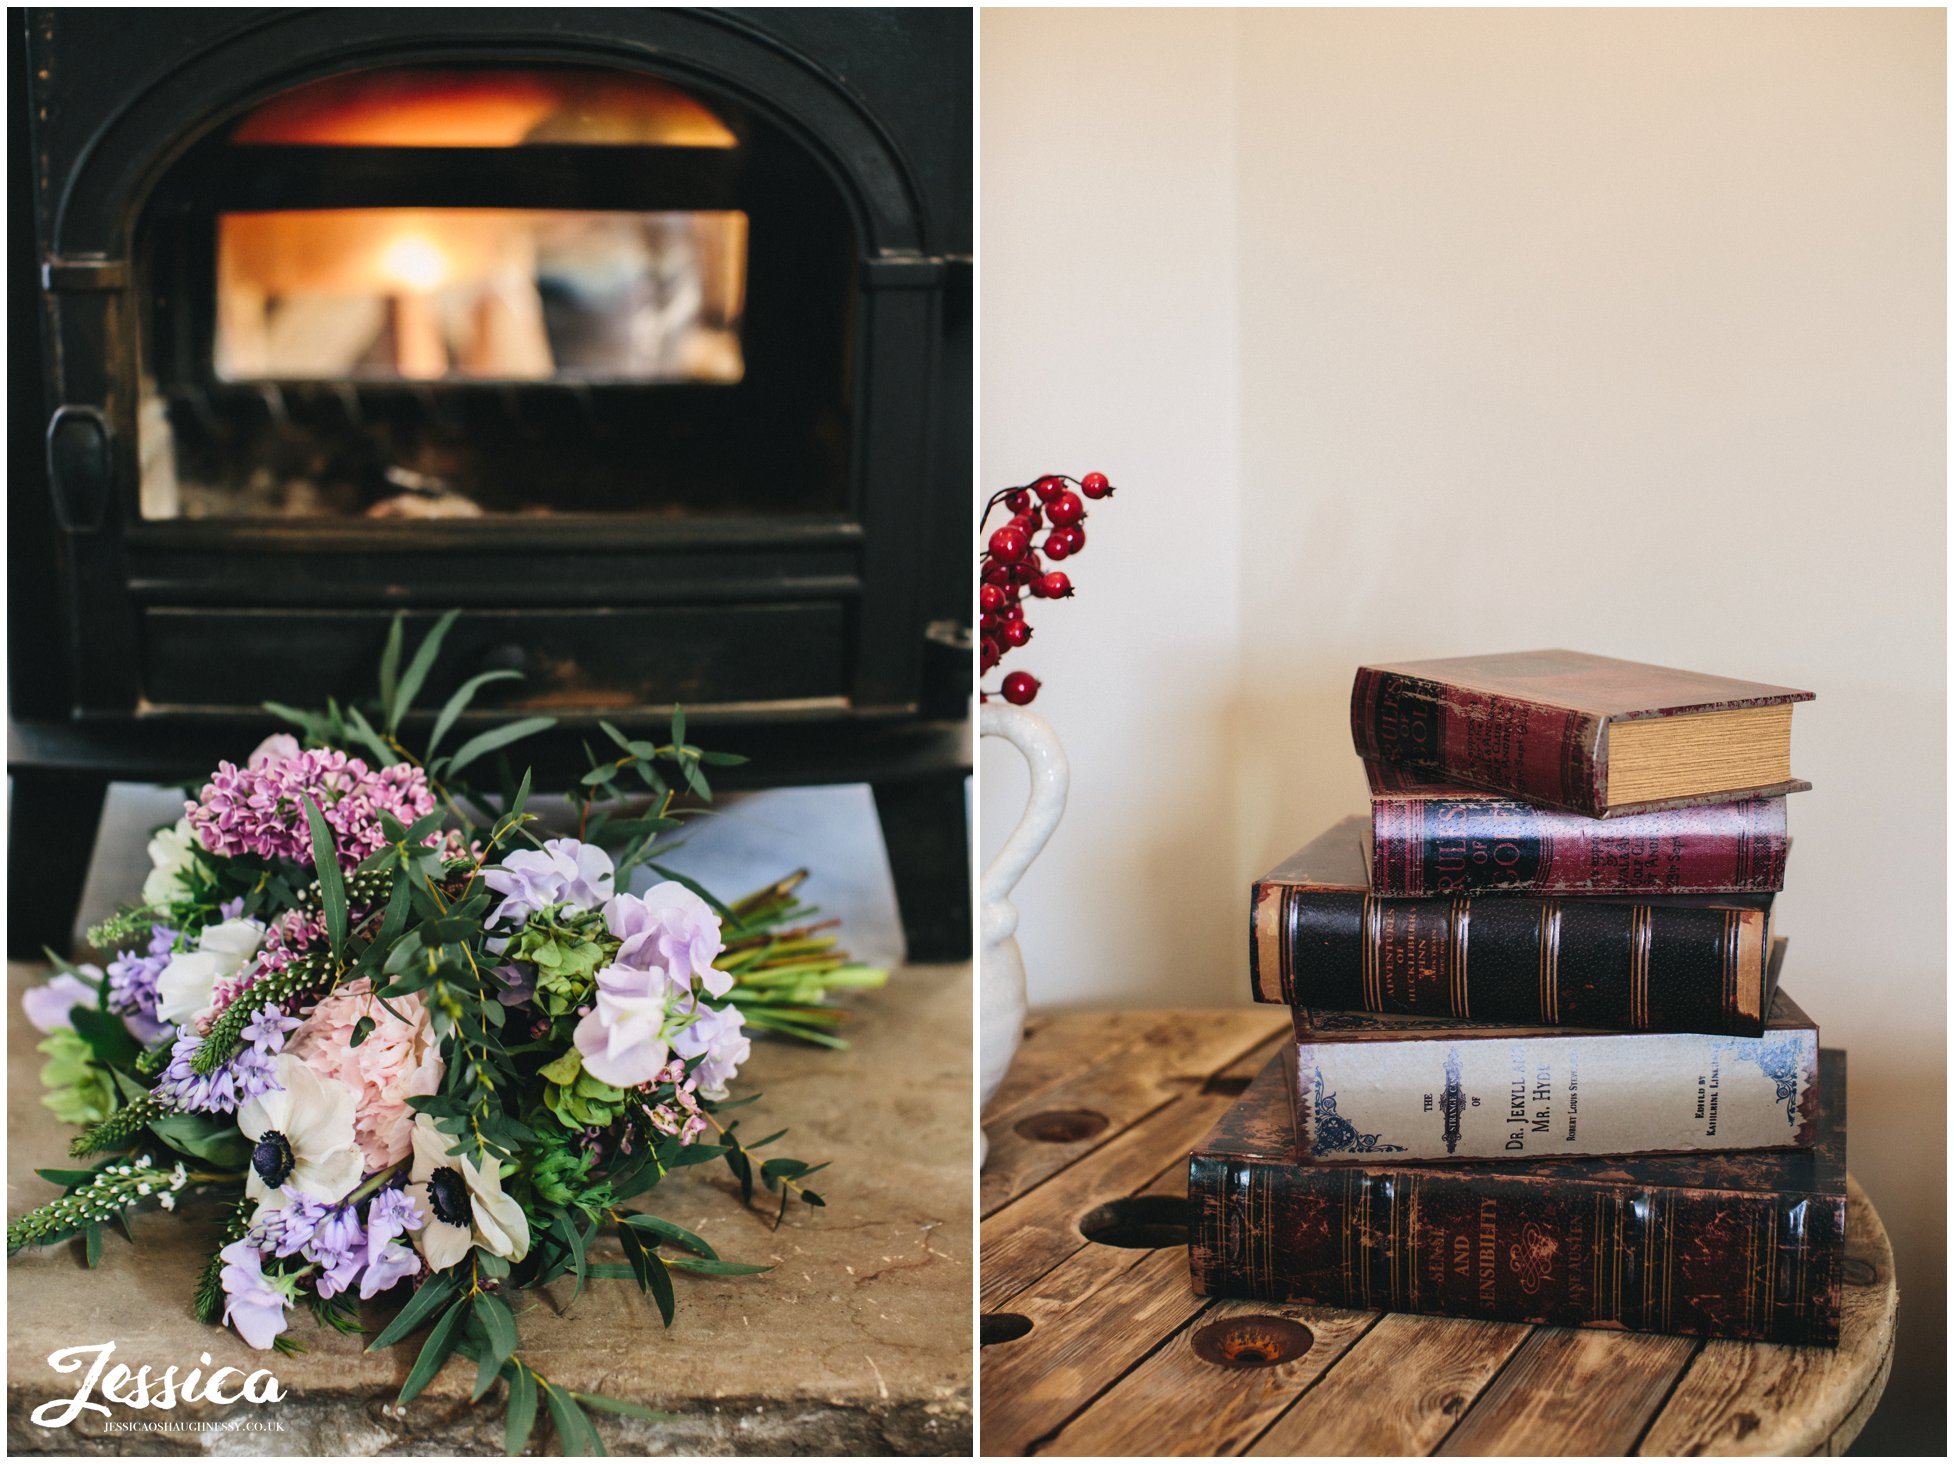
[1015,560]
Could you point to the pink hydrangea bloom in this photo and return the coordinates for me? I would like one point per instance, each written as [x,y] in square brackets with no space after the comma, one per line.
[400,1059]
[260,809]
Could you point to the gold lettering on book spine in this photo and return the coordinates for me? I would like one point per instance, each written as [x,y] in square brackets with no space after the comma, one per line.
[1373,918]
[1641,927]
[1732,926]
[1461,931]
[1550,962]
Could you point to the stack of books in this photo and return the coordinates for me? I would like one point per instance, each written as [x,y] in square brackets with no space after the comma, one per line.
[1542,1068]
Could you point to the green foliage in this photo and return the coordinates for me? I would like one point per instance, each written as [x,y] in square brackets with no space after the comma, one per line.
[78,1089]
[568,948]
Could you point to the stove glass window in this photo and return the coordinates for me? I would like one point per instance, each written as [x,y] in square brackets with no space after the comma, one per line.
[480,294]
[494,107]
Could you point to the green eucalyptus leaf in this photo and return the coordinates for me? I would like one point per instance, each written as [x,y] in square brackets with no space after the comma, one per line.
[332,886]
[417,669]
[495,737]
[458,703]
[519,1417]
[677,1234]
[498,1325]
[390,661]
[432,1293]
[441,1342]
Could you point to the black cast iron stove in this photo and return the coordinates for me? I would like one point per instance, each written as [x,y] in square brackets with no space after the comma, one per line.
[642,336]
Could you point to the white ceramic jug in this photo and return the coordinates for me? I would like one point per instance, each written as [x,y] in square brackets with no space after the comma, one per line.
[1001,973]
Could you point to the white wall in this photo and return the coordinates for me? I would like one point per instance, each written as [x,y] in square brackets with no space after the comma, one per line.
[1108,197]
[1620,330]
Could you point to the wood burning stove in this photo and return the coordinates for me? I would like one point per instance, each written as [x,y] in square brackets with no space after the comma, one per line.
[640,335]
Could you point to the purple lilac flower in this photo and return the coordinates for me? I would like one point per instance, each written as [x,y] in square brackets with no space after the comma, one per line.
[562,872]
[246,1074]
[260,809]
[389,1259]
[253,1303]
[132,984]
[339,1246]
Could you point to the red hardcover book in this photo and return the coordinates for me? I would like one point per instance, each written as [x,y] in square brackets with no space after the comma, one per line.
[1431,835]
[1435,1090]
[1746,1246]
[1588,734]
[1318,937]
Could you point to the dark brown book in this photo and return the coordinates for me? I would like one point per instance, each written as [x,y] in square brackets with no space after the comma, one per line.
[1432,835]
[1588,734]
[1318,937]
[1434,1089]
[1717,1245]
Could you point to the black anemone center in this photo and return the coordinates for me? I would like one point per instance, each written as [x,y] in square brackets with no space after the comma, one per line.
[272,1158]
[448,1194]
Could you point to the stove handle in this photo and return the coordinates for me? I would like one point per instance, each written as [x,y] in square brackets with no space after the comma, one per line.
[80,467]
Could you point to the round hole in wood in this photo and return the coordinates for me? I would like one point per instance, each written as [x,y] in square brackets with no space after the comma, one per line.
[1062,1125]
[1002,1327]
[1143,1222]
[1255,1341]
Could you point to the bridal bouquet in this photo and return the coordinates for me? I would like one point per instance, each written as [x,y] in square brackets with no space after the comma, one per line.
[420,1052]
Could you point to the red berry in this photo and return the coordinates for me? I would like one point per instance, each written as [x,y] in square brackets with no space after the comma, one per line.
[1048,488]
[1017,633]
[1010,543]
[1055,545]
[1094,485]
[1015,611]
[991,598]
[1065,509]
[1072,536]
[1055,586]
[996,573]
[1020,687]
[1017,500]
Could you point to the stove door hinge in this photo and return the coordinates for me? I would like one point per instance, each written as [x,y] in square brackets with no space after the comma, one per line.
[85,276]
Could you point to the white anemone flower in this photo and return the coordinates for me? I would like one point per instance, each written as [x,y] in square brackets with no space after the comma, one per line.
[301,1136]
[183,991]
[463,1201]
[170,861]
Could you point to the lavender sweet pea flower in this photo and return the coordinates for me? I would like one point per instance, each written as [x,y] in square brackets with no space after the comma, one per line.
[562,872]
[253,1304]
[669,928]
[720,1037]
[48,1006]
[622,1037]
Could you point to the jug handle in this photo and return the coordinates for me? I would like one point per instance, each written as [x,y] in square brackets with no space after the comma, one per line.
[1050,778]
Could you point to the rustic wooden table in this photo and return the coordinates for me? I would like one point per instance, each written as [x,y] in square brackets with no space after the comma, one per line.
[1095,1343]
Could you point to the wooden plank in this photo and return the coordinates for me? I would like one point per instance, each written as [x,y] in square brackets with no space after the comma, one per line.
[1092,1319]
[1035,1138]
[1052,1042]
[1573,1391]
[1400,1389]
[1025,1239]
[1147,1412]
[1747,1398]
[1064,1308]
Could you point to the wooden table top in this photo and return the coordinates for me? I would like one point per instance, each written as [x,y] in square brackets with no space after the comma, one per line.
[1103,1347]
